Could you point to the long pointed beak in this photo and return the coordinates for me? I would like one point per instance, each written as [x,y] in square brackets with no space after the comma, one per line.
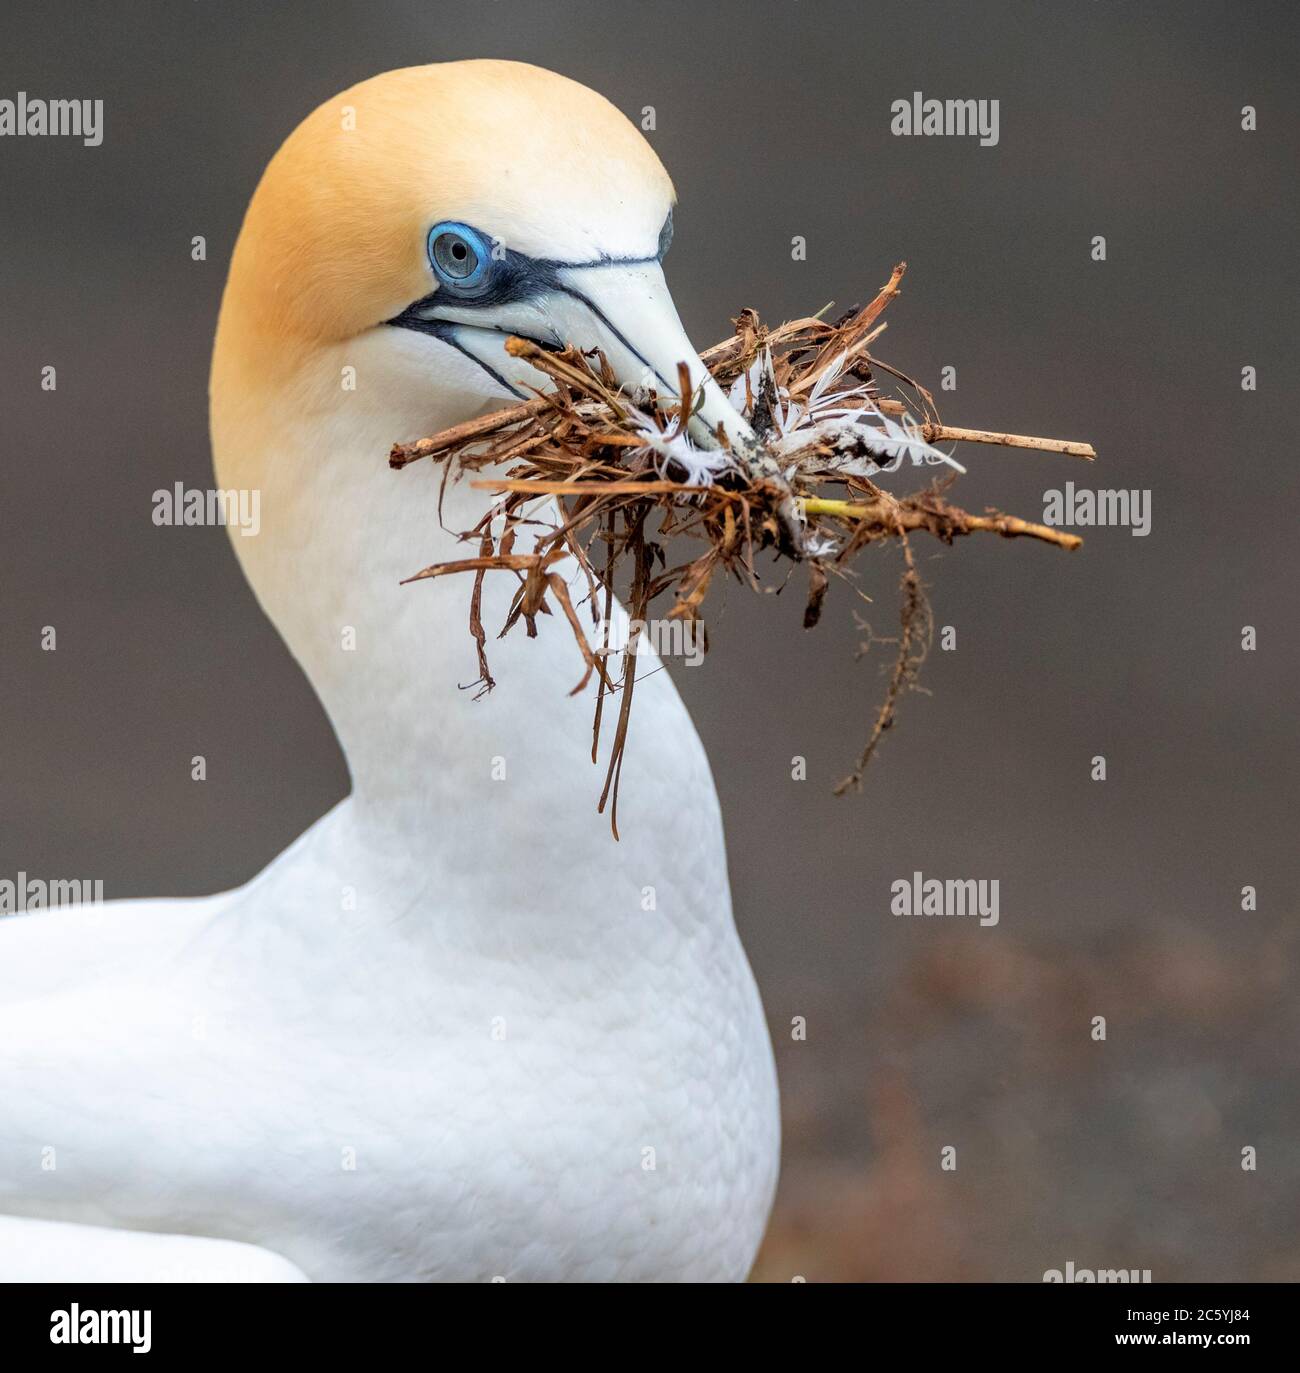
[623,309]
[626,311]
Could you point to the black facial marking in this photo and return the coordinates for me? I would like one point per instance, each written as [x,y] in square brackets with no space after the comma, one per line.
[612,327]
[665,237]
[446,333]
[513,278]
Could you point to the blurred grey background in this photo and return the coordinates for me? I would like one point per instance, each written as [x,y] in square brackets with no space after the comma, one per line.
[1120,898]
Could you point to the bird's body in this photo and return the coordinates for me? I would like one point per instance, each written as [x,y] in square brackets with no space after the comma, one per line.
[455,1030]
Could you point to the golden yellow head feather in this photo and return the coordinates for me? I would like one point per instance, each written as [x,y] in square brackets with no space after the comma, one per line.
[335,237]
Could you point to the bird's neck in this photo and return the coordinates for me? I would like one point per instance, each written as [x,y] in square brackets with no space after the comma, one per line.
[436,764]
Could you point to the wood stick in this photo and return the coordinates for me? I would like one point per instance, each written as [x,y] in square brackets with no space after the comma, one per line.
[901,515]
[531,486]
[939,433]
[481,428]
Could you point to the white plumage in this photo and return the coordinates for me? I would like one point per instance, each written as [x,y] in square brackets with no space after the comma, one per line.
[454,1031]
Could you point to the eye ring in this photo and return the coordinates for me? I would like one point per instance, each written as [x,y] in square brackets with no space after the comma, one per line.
[458,256]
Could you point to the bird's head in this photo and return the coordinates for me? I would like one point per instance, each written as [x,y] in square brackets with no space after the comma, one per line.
[416,221]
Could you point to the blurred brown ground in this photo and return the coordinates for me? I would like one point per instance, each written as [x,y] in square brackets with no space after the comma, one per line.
[1065,1148]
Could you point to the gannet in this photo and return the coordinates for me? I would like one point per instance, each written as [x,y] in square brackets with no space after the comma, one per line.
[455,1031]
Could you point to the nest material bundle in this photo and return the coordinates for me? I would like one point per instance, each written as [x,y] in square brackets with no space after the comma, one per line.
[630,486]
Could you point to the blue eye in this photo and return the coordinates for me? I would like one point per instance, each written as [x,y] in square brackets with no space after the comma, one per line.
[458,256]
